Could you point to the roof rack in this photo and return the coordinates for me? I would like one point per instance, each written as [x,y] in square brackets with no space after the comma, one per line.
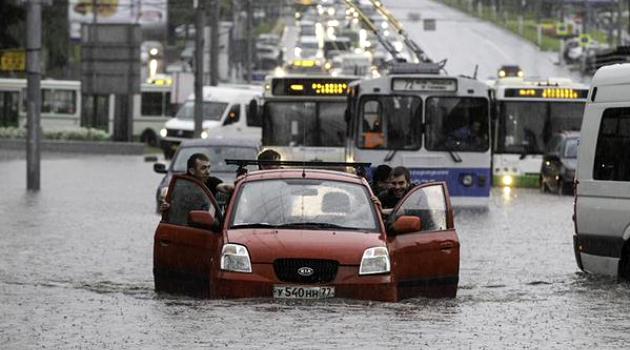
[360,168]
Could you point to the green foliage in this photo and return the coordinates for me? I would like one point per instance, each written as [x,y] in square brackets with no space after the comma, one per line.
[82,134]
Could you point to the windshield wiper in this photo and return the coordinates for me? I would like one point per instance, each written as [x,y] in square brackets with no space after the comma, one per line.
[323,225]
[455,156]
[256,225]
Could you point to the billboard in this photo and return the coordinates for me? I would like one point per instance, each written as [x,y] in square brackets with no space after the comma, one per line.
[148,13]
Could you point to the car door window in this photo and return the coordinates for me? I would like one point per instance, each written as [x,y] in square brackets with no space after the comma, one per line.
[429,204]
[186,195]
[233,115]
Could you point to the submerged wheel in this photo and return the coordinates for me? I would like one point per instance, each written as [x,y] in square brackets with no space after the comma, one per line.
[150,138]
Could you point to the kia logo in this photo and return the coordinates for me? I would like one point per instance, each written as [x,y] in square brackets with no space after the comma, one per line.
[305,271]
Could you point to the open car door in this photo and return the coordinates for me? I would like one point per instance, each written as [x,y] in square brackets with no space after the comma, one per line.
[423,244]
[187,239]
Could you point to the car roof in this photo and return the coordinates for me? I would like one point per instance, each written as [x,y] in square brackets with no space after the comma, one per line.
[228,141]
[298,173]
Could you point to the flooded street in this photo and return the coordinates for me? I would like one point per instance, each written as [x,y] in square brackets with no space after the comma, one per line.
[76,272]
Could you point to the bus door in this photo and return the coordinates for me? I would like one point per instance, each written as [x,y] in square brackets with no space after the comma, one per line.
[9,105]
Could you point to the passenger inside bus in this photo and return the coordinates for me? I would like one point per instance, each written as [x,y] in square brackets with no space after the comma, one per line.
[373,135]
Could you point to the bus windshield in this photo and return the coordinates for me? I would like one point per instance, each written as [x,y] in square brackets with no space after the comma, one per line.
[211,110]
[457,124]
[526,126]
[304,123]
[390,122]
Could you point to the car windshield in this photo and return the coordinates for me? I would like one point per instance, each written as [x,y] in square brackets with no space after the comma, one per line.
[304,204]
[570,148]
[526,127]
[211,110]
[216,155]
[457,124]
[304,123]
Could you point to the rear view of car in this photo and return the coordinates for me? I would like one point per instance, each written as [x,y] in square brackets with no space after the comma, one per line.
[602,194]
[559,162]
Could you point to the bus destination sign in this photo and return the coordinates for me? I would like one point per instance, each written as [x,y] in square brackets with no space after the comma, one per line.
[547,93]
[424,84]
[309,86]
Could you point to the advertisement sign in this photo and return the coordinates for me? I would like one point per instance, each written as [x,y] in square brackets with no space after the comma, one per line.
[147,13]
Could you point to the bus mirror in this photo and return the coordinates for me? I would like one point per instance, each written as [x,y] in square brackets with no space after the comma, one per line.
[253,115]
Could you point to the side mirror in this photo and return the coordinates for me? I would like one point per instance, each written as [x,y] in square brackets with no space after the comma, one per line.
[159,168]
[407,224]
[253,117]
[202,219]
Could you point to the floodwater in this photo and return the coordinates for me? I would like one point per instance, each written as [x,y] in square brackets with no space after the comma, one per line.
[76,272]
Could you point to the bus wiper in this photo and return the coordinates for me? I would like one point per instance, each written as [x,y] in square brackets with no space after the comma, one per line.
[252,225]
[314,225]
[390,156]
[455,156]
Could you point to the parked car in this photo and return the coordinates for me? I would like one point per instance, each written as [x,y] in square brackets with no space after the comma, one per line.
[559,161]
[217,150]
[308,234]
[602,192]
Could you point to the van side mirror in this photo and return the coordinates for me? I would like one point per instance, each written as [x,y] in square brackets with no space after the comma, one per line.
[406,224]
[253,114]
[202,219]
[159,168]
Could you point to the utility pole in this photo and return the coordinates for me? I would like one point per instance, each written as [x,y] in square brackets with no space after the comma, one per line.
[199,25]
[34,94]
[248,40]
[214,42]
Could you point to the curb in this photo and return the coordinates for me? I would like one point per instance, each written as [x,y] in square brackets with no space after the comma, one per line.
[88,147]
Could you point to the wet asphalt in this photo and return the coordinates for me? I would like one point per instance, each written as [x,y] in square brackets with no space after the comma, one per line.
[76,272]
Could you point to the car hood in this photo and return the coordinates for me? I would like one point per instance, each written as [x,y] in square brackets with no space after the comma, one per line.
[267,245]
[189,124]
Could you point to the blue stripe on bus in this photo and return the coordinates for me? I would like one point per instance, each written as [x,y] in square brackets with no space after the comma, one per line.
[453,177]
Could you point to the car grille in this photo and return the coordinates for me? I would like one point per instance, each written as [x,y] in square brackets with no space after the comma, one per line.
[179,133]
[324,271]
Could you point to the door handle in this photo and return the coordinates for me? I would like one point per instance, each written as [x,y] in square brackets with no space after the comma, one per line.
[164,243]
[446,245]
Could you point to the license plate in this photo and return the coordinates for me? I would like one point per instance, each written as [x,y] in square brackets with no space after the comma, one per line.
[302,292]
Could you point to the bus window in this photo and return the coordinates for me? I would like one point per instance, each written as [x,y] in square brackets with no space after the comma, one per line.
[233,115]
[9,103]
[65,101]
[390,122]
[152,104]
[457,124]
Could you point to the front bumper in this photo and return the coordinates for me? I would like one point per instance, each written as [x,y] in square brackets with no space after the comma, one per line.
[348,284]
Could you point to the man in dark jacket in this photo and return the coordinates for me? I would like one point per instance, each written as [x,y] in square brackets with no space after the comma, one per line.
[400,184]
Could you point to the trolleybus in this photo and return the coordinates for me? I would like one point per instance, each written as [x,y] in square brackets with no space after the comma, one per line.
[436,126]
[303,117]
[526,115]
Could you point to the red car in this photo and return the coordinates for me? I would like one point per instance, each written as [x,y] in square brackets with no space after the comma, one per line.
[306,234]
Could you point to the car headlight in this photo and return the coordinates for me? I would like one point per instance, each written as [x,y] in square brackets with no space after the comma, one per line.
[234,257]
[163,132]
[375,261]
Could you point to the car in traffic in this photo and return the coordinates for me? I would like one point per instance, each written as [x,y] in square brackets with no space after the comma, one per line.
[217,150]
[558,164]
[307,234]
[510,70]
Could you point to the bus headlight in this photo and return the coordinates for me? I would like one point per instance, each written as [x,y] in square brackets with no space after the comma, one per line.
[163,132]
[235,257]
[204,134]
[374,261]
[466,180]
[507,180]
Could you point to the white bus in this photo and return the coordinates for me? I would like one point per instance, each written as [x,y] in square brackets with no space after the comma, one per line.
[65,108]
[436,126]
[303,117]
[526,115]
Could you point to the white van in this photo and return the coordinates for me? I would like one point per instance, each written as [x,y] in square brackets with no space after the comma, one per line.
[602,196]
[225,114]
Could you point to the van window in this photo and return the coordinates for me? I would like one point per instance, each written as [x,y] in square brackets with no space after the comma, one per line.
[233,115]
[612,159]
